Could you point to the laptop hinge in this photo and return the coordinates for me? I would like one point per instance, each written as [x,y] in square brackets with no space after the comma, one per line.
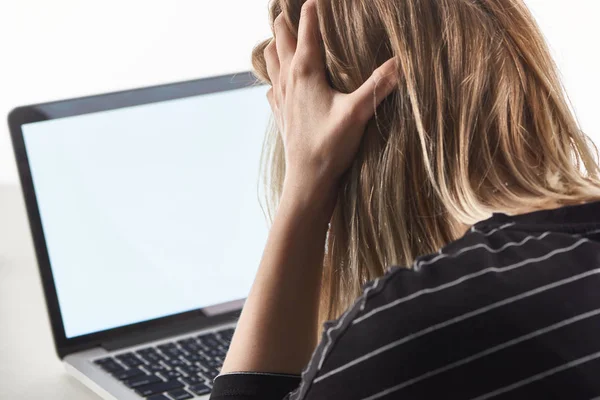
[157,333]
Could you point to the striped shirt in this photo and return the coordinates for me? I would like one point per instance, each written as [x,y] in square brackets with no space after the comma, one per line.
[509,311]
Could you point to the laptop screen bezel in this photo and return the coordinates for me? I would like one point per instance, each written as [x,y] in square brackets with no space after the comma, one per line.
[66,108]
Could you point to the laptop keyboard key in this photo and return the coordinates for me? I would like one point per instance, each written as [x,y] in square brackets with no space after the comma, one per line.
[192,347]
[175,362]
[192,358]
[150,354]
[129,359]
[166,347]
[180,394]
[131,363]
[170,374]
[158,397]
[227,332]
[214,352]
[146,350]
[128,373]
[191,369]
[155,367]
[174,353]
[111,366]
[142,380]
[209,340]
[211,374]
[193,379]
[158,387]
[200,389]
[215,363]
[204,356]
[212,342]
[190,342]
[154,358]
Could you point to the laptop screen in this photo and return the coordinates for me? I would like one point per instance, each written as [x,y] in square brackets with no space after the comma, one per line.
[151,210]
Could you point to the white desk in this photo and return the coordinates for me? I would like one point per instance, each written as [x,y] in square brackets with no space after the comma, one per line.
[29,367]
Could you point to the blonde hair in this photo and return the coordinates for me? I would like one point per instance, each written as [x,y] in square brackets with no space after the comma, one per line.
[479,123]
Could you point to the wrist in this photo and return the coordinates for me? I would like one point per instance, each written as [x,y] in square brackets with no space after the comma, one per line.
[309,198]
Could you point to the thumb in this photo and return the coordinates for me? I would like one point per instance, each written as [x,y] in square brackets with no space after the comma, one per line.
[380,84]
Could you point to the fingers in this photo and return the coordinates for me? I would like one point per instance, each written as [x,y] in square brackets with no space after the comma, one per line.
[285,44]
[284,40]
[309,38]
[272,61]
[382,82]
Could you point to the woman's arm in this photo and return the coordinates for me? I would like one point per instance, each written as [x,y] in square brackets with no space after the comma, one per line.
[276,331]
[321,131]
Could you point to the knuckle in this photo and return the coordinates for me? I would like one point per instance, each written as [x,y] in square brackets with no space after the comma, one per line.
[269,50]
[307,8]
[377,77]
[279,22]
[383,80]
[301,69]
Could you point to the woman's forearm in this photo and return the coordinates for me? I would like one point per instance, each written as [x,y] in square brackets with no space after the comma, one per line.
[276,331]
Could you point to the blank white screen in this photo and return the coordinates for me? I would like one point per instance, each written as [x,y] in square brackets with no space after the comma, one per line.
[151,210]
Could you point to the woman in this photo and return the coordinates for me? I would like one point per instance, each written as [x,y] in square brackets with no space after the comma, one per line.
[432,134]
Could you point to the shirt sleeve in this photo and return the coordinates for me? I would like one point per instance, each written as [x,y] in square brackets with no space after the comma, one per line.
[253,386]
[267,386]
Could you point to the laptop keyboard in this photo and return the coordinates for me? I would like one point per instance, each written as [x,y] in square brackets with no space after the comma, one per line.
[176,370]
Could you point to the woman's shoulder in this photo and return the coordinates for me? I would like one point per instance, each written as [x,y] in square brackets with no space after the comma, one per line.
[486,294]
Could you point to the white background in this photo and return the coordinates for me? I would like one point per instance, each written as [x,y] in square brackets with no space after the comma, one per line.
[68,48]
[65,48]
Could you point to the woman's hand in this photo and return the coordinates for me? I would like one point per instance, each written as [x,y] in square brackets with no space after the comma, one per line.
[321,128]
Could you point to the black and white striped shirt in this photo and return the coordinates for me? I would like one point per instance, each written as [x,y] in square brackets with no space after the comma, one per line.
[509,311]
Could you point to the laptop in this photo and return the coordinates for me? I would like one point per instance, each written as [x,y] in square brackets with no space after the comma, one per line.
[145,217]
